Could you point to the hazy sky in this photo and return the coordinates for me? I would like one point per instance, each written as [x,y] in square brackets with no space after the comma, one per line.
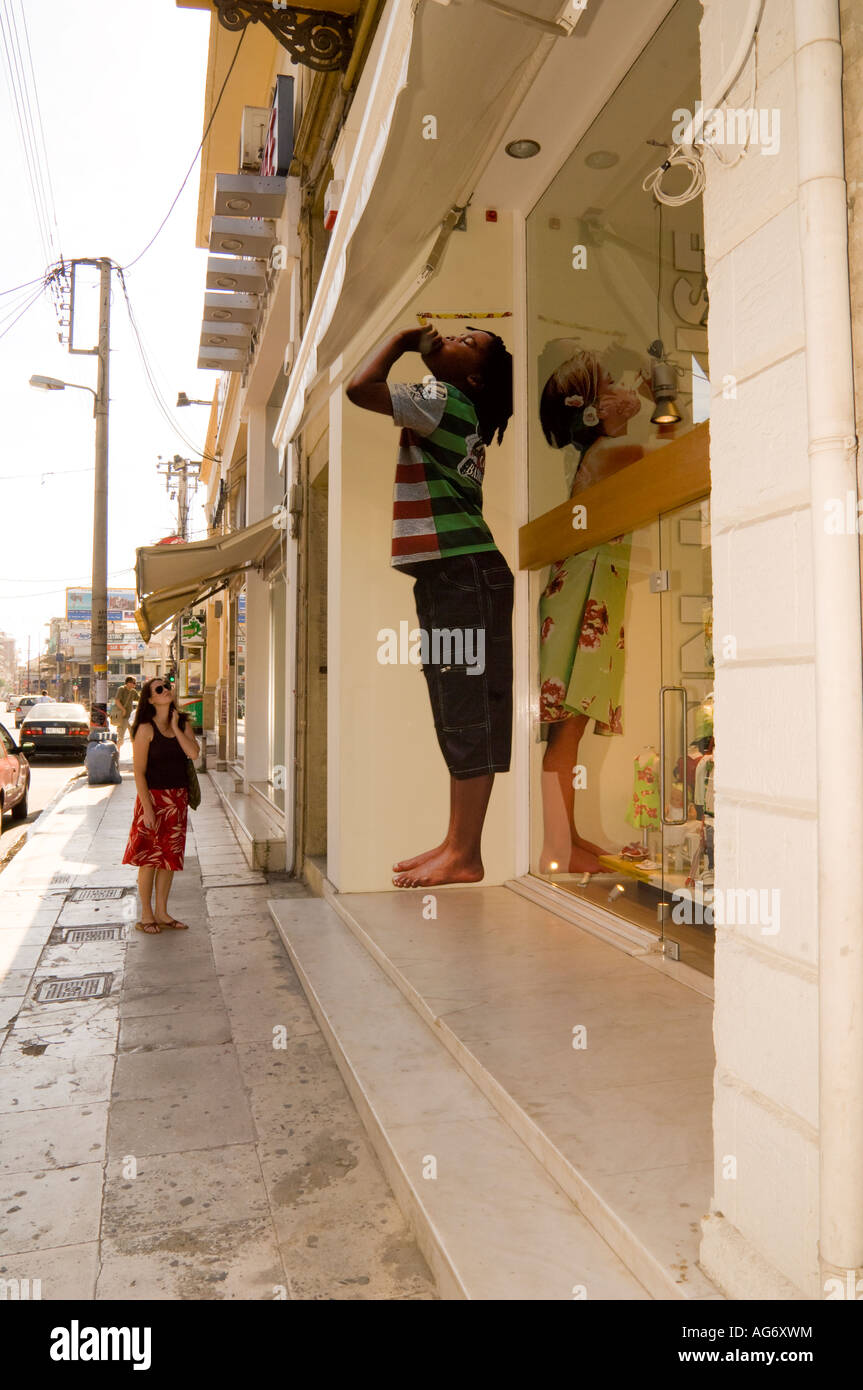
[121,87]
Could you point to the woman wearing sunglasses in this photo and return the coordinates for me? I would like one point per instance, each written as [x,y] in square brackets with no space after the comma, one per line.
[161,744]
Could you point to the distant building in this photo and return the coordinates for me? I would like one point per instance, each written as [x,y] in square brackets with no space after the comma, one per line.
[7,662]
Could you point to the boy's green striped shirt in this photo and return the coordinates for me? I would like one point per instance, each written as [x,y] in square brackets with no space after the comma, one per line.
[437,505]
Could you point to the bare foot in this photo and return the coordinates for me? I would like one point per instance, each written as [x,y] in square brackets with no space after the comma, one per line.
[581,861]
[580,842]
[404,865]
[445,866]
[551,862]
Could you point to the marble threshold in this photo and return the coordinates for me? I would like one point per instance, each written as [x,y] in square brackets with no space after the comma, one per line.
[601,1065]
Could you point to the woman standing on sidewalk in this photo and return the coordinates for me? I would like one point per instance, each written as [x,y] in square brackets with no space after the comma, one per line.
[161,744]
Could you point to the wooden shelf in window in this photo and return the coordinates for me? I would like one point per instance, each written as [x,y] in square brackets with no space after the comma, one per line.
[636,495]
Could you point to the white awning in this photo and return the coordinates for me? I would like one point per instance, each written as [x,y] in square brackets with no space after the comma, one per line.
[171,578]
[402,185]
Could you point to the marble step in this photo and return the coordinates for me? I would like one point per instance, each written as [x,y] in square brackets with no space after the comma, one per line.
[499,982]
[489,1219]
[261,836]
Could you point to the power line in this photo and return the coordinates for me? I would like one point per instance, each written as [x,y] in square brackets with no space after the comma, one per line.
[28,305]
[129,264]
[64,473]
[13,289]
[151,378]
[25,98]
[11,307]
[49,180]
[64,580]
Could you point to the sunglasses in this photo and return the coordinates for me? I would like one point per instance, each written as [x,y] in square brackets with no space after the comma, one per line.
[160,689]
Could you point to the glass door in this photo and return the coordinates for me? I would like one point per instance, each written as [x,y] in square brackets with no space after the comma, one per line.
[624,821]
[686,731]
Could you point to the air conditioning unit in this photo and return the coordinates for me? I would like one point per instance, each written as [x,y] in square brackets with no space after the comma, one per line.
[253,137]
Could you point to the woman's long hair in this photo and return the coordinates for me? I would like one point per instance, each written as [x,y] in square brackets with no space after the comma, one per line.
[146,711]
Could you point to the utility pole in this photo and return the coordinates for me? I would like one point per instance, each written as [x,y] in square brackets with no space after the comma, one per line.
[99,595]
[178,474]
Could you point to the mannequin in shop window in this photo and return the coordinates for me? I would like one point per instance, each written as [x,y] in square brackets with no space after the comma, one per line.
[582,645]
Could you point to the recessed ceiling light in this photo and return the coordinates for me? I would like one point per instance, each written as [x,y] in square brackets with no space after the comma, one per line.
[221,314]
[215,340]
[231,243]
[226,282]
[602,159]
[239,204]
[522,149]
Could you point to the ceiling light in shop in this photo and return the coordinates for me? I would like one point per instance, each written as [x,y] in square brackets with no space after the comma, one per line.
[231,244]
[221,314]
[522,149]
[226,282]
[239,204]
[602,159]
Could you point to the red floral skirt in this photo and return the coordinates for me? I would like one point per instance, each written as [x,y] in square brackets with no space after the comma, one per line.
[163,847]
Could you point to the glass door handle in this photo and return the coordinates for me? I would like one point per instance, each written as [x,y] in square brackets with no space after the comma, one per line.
[664,691]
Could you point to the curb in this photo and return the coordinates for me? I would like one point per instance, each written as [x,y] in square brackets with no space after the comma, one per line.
[21,840]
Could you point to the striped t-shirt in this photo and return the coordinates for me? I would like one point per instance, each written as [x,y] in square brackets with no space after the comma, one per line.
[437,504]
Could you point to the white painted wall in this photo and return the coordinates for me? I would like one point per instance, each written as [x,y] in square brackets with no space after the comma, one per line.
[761,1239]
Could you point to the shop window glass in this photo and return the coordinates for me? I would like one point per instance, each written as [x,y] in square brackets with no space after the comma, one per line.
[617,322]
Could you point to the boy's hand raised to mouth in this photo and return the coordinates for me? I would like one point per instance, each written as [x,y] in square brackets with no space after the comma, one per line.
[422,340]
[368,386]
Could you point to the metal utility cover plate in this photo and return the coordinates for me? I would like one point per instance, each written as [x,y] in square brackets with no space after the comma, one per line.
[63,990]
[91,895]
[79,936]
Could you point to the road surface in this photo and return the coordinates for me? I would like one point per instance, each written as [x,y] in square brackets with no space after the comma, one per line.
[47,776]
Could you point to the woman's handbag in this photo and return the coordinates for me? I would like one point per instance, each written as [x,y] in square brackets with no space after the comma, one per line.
[194,785]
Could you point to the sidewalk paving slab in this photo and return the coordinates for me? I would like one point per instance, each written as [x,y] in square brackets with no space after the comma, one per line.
[188,1135]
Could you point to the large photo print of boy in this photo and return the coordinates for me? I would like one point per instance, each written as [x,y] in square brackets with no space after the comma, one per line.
[462,583]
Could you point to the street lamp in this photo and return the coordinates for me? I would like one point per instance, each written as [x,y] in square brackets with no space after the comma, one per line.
[52,383]
[183,399]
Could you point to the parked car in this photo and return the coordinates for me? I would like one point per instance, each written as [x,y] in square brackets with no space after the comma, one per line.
[14,776]
[26,703]
[58,728]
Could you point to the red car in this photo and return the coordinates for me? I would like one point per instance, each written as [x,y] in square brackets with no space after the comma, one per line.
[14,777]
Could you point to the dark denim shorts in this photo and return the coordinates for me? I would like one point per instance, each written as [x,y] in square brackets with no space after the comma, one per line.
[467,601]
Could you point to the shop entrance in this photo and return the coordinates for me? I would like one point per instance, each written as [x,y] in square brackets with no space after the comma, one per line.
[618,539]
[622,794]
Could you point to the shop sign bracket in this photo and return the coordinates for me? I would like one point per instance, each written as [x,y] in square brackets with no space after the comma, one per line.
[317,39]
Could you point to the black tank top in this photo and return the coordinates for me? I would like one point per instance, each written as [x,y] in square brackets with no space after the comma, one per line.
[166,763]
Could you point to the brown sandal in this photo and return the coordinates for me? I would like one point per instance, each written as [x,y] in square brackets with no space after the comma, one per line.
[172,922]
[149,928]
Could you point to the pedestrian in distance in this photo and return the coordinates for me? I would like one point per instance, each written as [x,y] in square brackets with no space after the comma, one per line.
[124,702]
[161,747]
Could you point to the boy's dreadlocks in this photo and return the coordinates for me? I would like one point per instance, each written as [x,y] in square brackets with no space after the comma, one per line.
[494,402]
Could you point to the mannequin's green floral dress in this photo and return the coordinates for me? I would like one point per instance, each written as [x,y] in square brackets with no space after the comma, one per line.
[582,650]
